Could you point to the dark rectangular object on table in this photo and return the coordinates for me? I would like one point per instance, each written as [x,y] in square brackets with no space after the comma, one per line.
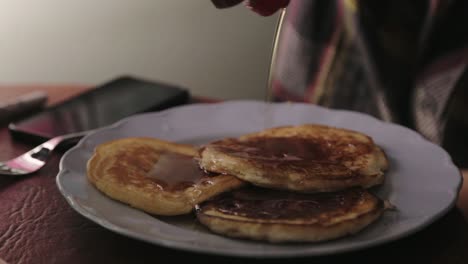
[98,107]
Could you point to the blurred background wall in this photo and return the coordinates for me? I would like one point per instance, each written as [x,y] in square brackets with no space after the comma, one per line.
[221,53]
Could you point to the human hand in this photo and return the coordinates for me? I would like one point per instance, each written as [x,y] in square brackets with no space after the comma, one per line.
[226,3]
[262,7]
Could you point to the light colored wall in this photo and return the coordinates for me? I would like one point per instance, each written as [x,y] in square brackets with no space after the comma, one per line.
[221,53]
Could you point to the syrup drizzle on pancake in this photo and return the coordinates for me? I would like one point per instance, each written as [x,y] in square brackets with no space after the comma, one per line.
[174,172]
[261,203]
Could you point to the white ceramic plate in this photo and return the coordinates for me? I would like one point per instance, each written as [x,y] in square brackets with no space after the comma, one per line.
[422,181]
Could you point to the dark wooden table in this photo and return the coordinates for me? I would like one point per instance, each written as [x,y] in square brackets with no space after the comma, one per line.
[38,226]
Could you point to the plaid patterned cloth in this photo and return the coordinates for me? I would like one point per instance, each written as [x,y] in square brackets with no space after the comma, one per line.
[401,61]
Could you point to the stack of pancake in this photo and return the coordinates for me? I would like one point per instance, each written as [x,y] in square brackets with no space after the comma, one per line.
[292,183]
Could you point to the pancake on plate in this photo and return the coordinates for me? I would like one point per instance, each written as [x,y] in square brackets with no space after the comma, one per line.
[281,216]
[305,158]
[156,176]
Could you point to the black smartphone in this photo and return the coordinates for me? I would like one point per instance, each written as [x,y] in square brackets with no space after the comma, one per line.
[99,107]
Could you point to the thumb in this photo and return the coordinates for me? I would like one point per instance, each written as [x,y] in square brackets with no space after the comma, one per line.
[266,7]
[225,3]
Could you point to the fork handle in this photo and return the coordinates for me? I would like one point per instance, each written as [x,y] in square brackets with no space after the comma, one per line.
[42,151]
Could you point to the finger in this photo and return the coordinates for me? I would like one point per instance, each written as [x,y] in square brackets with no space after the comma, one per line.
[226,3]
[266,7]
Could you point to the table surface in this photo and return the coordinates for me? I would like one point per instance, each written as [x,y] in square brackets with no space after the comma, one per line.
[38,226]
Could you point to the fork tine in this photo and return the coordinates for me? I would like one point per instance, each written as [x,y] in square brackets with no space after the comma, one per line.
[35,159]
[6,170]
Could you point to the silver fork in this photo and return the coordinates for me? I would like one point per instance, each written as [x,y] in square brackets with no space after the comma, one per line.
[36,158]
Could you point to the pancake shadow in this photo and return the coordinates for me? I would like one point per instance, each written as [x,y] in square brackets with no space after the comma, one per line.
[386,188]
[187,221]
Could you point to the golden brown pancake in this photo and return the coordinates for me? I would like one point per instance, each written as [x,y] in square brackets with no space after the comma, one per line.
[306,158]
[156,176]
[281,216]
